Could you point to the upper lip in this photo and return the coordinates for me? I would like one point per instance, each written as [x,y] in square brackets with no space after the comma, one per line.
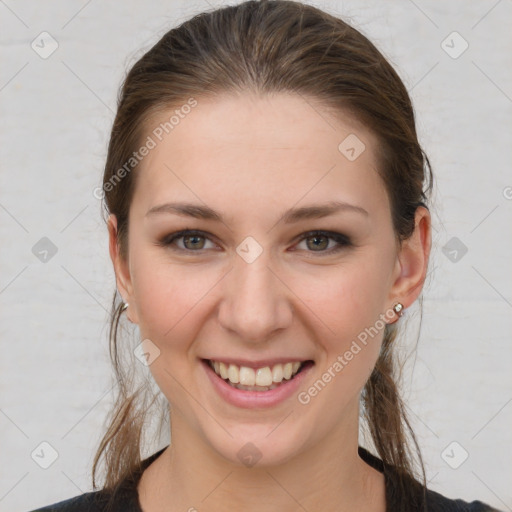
[261,363]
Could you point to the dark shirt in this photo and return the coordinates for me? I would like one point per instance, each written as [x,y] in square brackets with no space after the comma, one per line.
[127,500]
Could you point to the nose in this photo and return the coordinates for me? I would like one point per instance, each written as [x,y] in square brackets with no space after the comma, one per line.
[255,303]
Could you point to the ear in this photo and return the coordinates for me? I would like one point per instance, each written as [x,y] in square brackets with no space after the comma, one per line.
[121,269]
[412,261]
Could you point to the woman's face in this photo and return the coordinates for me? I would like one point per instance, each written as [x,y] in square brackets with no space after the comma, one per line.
[252,177]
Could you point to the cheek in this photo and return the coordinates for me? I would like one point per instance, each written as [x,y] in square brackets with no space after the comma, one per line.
[348,301]
[172,301]
[168,296]
[347,298]
[349,305]
[169,300]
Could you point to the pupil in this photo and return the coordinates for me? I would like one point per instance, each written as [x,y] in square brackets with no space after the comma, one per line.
[321,245]
[194,238]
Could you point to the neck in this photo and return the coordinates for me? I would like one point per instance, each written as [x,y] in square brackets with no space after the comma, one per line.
[328,477]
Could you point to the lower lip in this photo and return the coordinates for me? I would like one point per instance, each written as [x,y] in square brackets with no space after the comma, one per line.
[255,399]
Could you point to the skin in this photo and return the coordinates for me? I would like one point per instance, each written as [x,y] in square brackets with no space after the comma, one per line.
[251,158]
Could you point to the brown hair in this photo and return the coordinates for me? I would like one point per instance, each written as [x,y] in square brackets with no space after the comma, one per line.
[270,46]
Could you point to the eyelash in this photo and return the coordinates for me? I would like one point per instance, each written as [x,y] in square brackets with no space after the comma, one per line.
[343,241]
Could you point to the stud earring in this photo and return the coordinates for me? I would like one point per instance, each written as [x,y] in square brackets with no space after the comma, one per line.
[398,309]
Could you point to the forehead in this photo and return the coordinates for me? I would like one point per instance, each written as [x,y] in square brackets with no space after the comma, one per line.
[261,150]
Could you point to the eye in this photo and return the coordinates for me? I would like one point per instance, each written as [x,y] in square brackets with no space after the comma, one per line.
[192,240]
[188,240]
[320,241]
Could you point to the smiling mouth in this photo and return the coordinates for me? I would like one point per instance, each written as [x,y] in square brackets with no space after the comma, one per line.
[257,379]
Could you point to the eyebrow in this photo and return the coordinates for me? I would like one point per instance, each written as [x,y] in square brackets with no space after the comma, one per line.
[290,216]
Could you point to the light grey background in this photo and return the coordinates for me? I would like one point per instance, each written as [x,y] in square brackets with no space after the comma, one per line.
[56,113]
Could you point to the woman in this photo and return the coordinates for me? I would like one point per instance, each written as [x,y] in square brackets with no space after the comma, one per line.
[267,204]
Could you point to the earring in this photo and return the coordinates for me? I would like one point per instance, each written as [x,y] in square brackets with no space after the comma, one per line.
[398,309]
[125,307]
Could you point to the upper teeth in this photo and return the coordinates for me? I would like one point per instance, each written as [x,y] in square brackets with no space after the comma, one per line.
[260,376]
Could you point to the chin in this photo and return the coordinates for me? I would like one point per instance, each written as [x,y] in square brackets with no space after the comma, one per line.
[257,446]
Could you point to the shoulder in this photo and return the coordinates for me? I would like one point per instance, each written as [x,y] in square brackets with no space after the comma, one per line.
[413,496]
[438,503]
[96,502]
[89,501]
[124,499]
